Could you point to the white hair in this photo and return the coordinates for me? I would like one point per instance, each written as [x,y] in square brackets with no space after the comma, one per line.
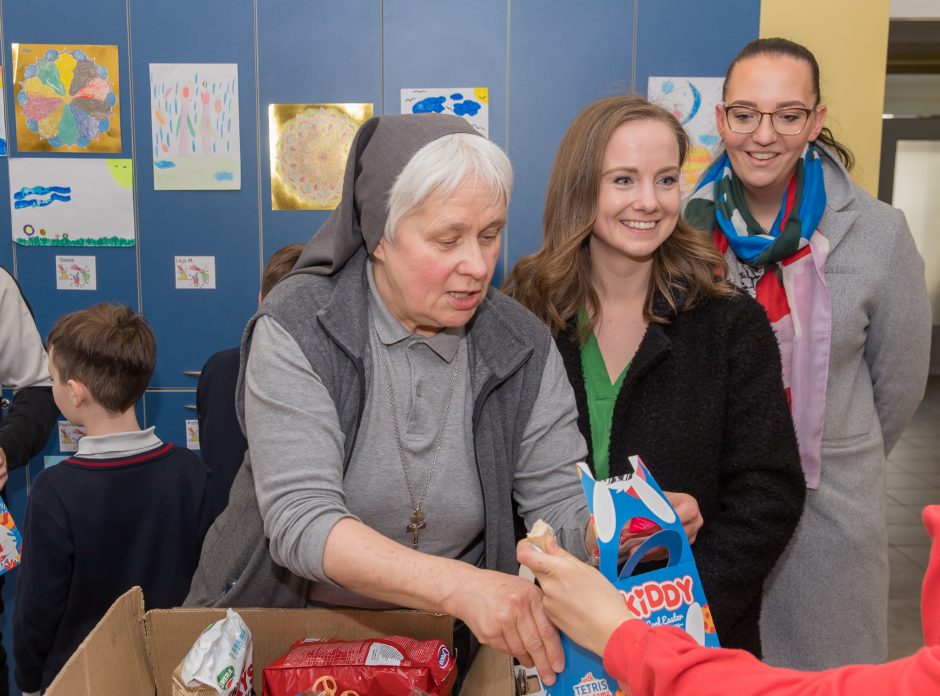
[442,166]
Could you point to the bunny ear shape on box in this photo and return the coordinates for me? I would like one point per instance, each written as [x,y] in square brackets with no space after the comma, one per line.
[605,513]
[656,503]
[601,503]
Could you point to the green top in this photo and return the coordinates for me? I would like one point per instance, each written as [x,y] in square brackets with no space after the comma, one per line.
[601,397]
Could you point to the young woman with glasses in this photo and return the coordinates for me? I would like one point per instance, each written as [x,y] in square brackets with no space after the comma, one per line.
[842,282]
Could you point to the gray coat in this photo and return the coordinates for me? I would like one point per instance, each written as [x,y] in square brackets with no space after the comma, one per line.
[826,602]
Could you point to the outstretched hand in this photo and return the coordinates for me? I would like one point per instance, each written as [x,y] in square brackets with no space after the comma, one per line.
[576,597]
[506,613]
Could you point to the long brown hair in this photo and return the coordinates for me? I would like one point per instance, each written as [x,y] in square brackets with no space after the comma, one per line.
[557,280]
[776,46]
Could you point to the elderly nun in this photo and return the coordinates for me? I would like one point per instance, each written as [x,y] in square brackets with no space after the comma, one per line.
[400,411]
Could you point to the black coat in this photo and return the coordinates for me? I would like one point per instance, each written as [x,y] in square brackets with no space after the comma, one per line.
[703,405]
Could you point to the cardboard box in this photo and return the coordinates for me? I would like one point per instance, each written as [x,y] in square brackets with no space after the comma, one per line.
[135,653]
[668,596]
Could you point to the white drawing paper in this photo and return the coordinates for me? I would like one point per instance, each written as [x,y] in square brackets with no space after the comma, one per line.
[60,201]
[195,272]
[76,273]
[470,103]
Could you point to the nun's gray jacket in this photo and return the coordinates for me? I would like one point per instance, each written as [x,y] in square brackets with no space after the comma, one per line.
[508,349]
[826,603]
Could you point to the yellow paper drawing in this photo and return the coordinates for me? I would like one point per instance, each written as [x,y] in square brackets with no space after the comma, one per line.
[309,146]
[67,98]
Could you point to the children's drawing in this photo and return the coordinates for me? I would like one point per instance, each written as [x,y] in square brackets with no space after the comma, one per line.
[470,103]
[309,147]
[192,433]
[195,272]
[71,202]
[3,118]
[75,273]
[11,542]
[194,122]
[69,435]
[66,98]
[692,101]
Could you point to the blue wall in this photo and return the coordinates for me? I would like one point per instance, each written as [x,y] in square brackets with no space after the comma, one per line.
[542,60]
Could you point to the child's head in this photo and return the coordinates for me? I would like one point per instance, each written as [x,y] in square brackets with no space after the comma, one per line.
[279,265]
[109,349]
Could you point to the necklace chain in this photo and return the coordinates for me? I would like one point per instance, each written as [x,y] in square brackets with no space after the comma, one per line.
[416,521]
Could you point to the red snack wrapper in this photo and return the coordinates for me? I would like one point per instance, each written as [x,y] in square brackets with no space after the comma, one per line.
[390,666]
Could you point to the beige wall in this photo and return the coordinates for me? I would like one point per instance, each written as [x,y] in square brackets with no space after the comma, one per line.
[850,40]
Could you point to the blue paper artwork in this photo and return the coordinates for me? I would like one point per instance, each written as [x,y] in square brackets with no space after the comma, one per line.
[470,103]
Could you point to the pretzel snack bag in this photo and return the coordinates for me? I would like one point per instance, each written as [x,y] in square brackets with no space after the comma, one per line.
[390,666]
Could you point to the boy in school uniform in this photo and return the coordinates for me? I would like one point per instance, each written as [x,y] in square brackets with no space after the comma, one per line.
[127,509]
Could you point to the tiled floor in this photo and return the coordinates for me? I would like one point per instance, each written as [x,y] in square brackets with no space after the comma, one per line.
[913,481]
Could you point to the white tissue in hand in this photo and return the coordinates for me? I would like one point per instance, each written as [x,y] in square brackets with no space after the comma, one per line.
[221,658]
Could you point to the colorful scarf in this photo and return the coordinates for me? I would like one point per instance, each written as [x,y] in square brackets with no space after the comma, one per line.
[783,269]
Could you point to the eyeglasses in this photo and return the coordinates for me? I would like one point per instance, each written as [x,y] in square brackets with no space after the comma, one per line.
[789,121]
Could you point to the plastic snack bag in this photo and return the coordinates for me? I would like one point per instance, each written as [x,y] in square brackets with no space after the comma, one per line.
[221,658]
[390,666]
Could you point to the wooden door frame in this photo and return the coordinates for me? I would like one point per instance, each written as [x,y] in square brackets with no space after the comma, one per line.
[893,130]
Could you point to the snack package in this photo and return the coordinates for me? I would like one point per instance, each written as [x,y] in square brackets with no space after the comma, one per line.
[632,512]
[11,543]
[221,658]
[540,533]
[390,666]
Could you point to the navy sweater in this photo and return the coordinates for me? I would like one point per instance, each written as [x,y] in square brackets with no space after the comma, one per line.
[94,528]
[220,436]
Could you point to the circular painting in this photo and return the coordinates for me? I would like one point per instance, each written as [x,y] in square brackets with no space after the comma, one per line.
[311,155]
[67,98]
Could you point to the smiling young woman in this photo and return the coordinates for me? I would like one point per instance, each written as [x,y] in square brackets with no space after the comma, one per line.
[843,285]
[666,359]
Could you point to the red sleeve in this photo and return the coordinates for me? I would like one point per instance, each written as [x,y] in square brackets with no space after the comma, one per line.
[930,596]
[666,661]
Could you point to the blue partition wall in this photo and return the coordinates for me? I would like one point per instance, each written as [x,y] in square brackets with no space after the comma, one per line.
[541,60]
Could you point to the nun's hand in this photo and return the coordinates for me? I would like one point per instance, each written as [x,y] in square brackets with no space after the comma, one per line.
[505,612]
[577,598]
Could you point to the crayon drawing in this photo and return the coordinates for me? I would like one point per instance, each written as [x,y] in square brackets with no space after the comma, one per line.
[194,122]
[69,435]
[72,202]
[76,273]
[470,103]
[195,272]
[192,433]
[692,101]
[309,147]
[67,98]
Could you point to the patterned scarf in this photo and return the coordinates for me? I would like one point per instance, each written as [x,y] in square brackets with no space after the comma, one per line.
[783,270]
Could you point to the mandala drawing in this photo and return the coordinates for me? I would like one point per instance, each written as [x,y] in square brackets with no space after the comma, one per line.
[310,153]
[67,98]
